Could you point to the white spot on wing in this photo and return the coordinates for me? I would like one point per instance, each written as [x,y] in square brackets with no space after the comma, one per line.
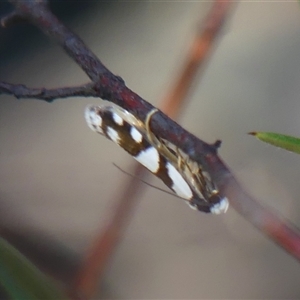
[136,135]
[220,207]
[149,158]
[180,186]
[117,119]
[113,135]
[93,119]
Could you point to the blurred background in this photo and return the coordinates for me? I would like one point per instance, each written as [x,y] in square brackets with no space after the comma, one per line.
[57,177]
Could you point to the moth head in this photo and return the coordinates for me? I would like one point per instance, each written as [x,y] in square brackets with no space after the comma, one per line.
[215,204]
[219,204]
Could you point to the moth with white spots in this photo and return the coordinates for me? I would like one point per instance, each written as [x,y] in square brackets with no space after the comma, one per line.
[185,177]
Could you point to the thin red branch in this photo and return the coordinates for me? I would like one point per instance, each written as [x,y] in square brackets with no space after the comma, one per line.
[280,230]
[102,250]
[112,88]
[105,245]
[202,46]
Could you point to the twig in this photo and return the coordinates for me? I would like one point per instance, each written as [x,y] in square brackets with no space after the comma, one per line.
[97,259]
[112,88]
[106,85]
[202,45]
[21,91]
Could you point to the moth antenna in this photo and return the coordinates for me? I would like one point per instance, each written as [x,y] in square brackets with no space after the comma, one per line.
[149,184]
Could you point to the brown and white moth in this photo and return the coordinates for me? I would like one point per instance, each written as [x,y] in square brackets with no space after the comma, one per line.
[182,175]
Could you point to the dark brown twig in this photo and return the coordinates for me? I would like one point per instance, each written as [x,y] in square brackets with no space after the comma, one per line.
[112,88]
[11,19]
[21,91]
[107,85]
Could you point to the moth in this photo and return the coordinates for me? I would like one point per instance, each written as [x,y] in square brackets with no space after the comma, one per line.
[182,175]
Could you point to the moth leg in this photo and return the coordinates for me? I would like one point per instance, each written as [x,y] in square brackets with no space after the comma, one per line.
[159,144]
[152,138]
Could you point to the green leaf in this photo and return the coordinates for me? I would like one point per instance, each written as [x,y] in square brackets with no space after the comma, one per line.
[21,279]
[286,142]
